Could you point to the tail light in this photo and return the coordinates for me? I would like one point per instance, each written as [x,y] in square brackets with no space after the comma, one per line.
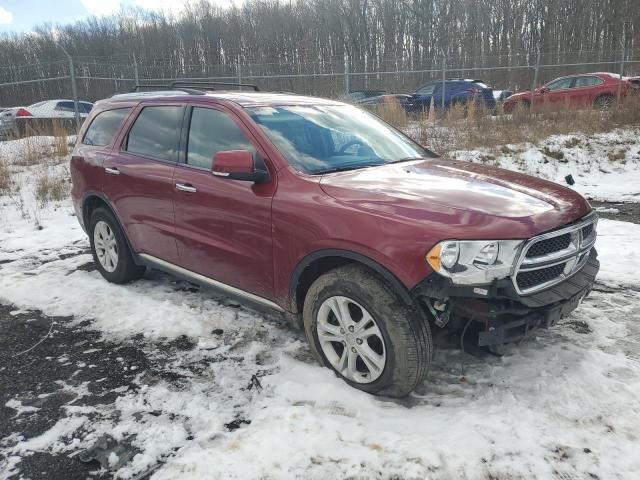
[23,112]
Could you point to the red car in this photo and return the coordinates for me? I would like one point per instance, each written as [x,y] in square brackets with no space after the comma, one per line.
[324,213]
[599,90]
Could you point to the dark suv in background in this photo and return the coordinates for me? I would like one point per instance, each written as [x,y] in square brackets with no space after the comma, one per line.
[321,211]
[456,92]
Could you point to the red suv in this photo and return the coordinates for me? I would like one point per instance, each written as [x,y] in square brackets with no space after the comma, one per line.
[599,90]
[321,211]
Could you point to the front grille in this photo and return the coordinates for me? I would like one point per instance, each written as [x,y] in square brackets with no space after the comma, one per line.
[551,257]
[533,278]
[550,245]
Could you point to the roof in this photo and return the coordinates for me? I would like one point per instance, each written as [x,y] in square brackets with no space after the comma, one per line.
[244,99]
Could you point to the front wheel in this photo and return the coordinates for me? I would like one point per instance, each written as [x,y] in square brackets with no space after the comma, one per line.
[361,328]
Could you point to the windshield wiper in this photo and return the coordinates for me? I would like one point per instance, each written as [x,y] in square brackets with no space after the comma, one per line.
[351,166]
[405,159]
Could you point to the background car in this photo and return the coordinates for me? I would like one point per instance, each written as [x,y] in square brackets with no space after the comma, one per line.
[456,92]
[358,95]
[501,95]
[598,89]
[39,116]
[373,103]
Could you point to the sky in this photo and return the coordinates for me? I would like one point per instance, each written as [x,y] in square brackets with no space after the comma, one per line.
[23,15]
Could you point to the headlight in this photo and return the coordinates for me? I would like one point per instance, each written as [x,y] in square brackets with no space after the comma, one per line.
[477,262]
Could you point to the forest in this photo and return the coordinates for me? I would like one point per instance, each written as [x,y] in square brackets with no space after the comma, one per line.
[318,37]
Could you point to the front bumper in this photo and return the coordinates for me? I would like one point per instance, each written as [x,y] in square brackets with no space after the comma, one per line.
[500,314]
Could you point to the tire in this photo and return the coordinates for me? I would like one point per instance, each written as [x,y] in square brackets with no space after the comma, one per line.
[402,340]
[604,102]
[112,256]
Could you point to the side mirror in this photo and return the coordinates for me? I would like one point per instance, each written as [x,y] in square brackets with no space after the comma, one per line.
[237,165]
[543,89]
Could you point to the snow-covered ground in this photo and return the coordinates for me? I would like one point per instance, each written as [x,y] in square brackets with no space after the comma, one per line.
[562,404]
[604,166]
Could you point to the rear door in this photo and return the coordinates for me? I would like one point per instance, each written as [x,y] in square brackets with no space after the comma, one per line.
[585,90]
[223,227]
[139,178]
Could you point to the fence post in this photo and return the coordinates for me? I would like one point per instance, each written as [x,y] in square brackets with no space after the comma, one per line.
[239,70]
[621,71]
[135,70]
[74,88]
[444,78]
[347,79]
[535,80]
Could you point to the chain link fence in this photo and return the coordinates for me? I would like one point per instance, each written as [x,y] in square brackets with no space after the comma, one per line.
[93,78]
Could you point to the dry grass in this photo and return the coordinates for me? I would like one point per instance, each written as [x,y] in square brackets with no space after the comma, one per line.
[51,187]
[472,127]
[5,176]
[392,112]
[60,141]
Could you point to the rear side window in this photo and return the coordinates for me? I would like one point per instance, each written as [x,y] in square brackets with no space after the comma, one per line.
[156,133]
[64,106]
[589,81]
[212,131]
[104,127]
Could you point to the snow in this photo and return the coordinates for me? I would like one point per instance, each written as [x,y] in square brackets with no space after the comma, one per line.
[605,166]
[562,404]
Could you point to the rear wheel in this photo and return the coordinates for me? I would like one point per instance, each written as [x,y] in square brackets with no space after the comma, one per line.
[360,327]
[110,250]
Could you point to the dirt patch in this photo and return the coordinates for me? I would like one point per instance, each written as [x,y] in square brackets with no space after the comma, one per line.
[623,211]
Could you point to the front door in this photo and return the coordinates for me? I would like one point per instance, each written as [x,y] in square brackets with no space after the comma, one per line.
[139,180]
[558,94]
[223,227]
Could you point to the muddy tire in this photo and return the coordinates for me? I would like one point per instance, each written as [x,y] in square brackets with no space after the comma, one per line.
[110,249]
[361,328]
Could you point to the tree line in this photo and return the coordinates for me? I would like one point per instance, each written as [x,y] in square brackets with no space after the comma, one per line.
[317,37]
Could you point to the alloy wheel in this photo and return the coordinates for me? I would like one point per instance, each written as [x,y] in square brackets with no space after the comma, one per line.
[351,339]
[106,246]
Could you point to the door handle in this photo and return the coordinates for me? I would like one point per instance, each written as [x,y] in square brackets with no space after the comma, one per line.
[186,187]
[112,171]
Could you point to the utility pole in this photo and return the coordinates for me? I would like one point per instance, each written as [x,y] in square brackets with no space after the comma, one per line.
[135,70]
[74,88]
[444,78]
[622,55]
[347,79]
[535,80]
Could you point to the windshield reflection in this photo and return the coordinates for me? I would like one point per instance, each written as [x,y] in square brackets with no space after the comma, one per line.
[321,139]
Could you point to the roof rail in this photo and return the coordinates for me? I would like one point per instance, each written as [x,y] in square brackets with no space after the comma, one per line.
[191,87]
[209,85]
[139,87]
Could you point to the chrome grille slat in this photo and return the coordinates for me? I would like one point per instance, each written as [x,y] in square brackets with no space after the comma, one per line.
[540,270]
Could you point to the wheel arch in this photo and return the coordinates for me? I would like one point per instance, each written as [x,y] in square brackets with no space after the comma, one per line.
[311,267]
[94,200]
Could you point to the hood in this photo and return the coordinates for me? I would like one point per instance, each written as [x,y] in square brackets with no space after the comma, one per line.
[487,201]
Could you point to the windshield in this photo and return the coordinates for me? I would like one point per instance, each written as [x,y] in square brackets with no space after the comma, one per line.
[321,139]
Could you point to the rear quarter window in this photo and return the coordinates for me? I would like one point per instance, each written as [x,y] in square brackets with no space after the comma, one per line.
[104,127]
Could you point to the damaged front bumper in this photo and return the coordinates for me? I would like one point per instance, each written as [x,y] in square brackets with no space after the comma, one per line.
[499,313]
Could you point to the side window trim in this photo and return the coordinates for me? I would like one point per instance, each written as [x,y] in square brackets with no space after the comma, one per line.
[132,121]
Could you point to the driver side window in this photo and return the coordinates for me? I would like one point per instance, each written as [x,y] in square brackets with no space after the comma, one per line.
[560,84]
[212,131]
